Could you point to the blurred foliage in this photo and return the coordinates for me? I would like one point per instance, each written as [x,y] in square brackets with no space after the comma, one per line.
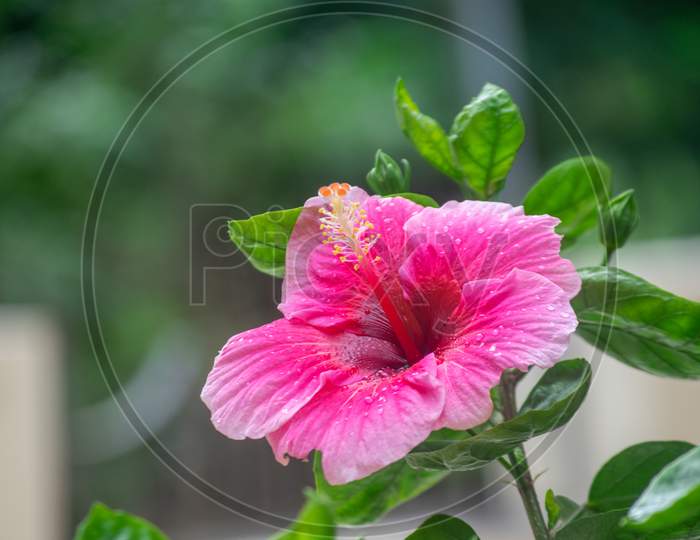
[265,121]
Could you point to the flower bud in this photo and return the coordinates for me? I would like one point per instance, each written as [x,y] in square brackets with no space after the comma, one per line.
[387,178]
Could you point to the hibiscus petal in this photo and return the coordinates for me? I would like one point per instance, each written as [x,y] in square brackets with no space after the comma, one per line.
[489,239]
[362,427]
[515,322]
[319,289]
[262,377]
[433,293]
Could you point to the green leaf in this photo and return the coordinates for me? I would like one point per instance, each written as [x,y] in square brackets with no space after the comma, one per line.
[552,402]
[643,326]
[103,523]
[315,522]
[623,478]
[365,500]
[619,222]
[603,526]
[485,137]
[386,177]
[423,200]
[553,509]
[568,509]
[263,238]
[572,191]
[671,499]
[424,132]
[443,527]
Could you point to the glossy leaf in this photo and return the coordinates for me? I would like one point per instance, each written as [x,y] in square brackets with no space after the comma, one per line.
[619,222]
[603,526]
[418,198]
[671,499]
[625,476]
[315,522]
[263,238]
[486,136]
[425,133]
[639,324]
[571,191]
[551,403]
[103,523]
[386,177]
[443,527]
[365,500]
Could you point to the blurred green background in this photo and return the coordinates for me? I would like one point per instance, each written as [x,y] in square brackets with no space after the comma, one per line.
[264,122]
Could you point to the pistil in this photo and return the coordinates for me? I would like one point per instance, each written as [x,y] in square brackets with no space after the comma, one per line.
[346,228]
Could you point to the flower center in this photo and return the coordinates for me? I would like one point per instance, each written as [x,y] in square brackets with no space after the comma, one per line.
[346,228]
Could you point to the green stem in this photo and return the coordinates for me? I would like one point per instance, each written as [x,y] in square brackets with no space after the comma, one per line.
[467,192]
[518,466]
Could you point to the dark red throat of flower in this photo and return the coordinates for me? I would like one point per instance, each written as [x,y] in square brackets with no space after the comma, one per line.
[400,317]
[345,226]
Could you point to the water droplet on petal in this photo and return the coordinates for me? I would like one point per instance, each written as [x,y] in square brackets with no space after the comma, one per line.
[550,307]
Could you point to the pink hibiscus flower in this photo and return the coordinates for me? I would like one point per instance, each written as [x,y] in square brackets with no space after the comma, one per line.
[398,320]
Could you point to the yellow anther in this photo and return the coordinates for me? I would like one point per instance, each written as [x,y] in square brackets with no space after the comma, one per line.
[345,225]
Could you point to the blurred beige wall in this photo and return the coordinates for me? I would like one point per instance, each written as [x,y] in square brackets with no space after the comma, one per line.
[32,458]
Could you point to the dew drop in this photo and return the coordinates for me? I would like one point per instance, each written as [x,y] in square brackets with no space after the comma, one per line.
[480,230]
[368,399]
[492,348]
[550,307]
